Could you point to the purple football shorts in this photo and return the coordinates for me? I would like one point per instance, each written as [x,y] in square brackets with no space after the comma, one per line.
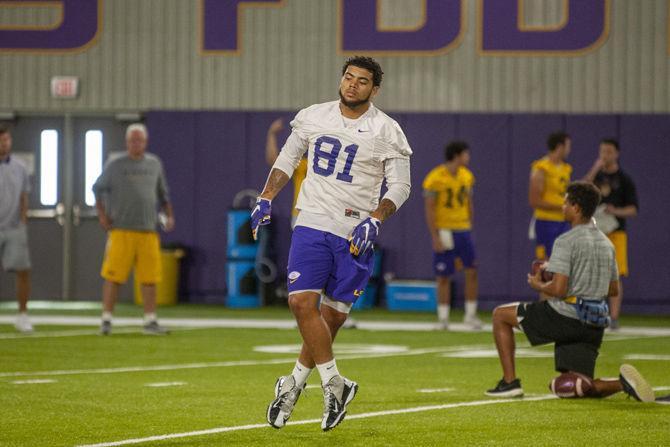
[319,260]
[546,232]
[444,263]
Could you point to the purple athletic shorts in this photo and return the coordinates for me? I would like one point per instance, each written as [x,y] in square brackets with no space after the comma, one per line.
[319,260]
[547,231]
[464,249]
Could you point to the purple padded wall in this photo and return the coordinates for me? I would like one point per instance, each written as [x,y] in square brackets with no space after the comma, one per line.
[645,155]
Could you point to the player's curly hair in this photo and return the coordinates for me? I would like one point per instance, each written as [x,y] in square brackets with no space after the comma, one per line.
[4,128]
[367,63]
[585,195]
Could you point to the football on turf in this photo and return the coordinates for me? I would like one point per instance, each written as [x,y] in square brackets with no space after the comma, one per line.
[539,264]
[571,385]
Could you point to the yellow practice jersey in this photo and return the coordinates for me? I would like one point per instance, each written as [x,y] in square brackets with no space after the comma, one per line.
[298,176]
[556,180]
[452,200]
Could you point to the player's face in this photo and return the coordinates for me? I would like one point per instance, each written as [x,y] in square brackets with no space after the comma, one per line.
[608,154]
[565,149]
[136,144]
[356,87]
[569,209]
[465,158]
[5,144]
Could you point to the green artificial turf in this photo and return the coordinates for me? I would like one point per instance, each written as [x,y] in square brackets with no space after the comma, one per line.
[93,403]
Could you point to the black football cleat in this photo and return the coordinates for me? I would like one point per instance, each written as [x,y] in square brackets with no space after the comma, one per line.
[504,389]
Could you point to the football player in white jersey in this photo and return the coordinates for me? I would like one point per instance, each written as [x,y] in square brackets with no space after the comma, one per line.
[351,148]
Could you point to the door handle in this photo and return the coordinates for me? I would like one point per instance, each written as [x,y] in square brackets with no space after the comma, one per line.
[76,214]
[60,214]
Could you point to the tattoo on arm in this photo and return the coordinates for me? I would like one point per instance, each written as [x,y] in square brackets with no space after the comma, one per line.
[276,181]
[385,209]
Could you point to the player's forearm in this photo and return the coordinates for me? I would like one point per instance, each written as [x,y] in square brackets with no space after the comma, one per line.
[24,208]
[385,209]
[100,208]
[591,175]
[276,181]
[557,287]
[625,211]
[271,148]
[613,289]
[430,219]
[167,209]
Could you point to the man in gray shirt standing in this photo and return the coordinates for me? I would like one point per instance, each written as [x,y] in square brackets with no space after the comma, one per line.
[127,196]
[584,275]
[14,255]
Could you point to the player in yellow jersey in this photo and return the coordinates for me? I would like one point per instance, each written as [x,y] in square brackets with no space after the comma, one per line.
[448,204]
[271,154]
[549,179]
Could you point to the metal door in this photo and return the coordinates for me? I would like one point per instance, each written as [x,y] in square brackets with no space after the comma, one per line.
[66,242]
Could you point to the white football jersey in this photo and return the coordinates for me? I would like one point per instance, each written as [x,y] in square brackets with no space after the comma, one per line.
[345,164]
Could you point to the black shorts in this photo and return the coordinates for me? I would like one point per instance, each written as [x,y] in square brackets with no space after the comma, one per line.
[576,344]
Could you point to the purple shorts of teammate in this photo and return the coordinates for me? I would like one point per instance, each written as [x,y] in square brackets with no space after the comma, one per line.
[546,232]
[319,260]
[444,262]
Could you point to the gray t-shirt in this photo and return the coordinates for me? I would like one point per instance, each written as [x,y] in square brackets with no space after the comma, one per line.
[14,181]
[586,256]
[131,191]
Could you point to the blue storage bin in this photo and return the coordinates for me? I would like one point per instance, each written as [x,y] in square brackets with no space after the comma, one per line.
[411,295]
[367,300]
[242,285]
[240,244]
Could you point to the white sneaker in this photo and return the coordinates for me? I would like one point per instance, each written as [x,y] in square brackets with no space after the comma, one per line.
[473,322]
[286,396]
[22,324]
[337,394]
[634,384]
[442,325]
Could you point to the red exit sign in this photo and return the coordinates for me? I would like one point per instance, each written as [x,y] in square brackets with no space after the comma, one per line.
[64,87]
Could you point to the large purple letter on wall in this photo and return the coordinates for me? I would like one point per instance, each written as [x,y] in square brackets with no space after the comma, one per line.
[583,27]
[78,27]
[360,30]
[220,23]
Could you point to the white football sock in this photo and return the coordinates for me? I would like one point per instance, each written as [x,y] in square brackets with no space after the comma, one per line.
[106,316]
[300,373]
[327,371]
[443,312]
[151,316]
[470,309]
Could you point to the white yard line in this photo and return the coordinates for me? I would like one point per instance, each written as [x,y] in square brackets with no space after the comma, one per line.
[434,390]
[647,357]
[164,384]
[212,431]
[32,381]
[128,369]
[386,325]
[70,333]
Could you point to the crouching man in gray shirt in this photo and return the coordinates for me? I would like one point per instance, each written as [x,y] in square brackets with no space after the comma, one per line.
[127,196]
[574,319]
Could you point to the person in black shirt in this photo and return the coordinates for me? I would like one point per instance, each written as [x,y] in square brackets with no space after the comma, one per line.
[619,201]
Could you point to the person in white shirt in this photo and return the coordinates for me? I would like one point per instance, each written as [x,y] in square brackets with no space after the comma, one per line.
[352,147]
